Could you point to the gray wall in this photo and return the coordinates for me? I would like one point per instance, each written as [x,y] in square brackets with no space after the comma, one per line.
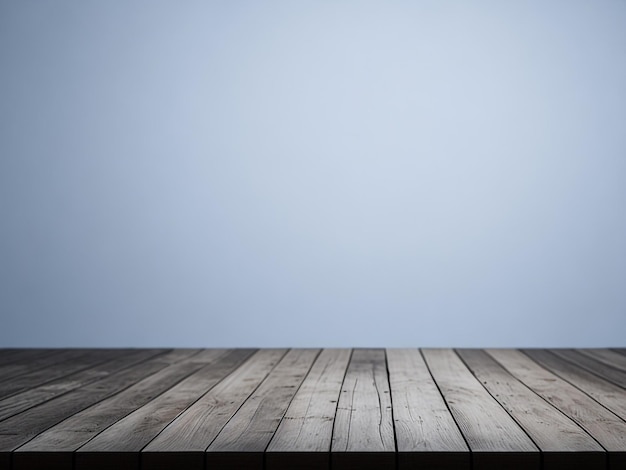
[234,173]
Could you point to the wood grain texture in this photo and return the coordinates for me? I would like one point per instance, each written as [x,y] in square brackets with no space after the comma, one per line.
[426,434]
[20,402]
[25,365]
[119,446]
[363,436]
[597,367]
[607,357]
[242,441]
[562,442]
[122,372]
[61,440]
[495,439]
[191,433]
[307,426]
[54,376]
[606,428]
[310,409]
[607,393]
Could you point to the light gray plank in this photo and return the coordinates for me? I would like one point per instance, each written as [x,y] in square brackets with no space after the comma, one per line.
[183,442]
[562,442]
[363,435]
[604,426]
[304,436]
[608,394]
[426,434]
[119,446]
[243,440]
[495,439]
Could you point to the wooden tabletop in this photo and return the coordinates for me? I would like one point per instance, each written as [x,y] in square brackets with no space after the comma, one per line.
[200,409]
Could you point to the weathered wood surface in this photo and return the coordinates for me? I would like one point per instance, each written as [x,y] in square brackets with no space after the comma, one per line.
[312,409]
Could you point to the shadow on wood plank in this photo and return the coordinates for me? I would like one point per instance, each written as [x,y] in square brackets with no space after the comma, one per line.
[434,460]
[299,460]
[172,460]
[363,460]
[506,460]
[106,461]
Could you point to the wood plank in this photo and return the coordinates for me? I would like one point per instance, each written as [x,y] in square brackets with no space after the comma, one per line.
[562,442]
[495,439]
[58,371]
[608,429]
[242,441]
[119,446]
[594,366]
[122,373]
[606,356]
[363,435]
[95,366]
[30,364]
[608,394]
[426,434]
[304,436]
[52,449]
[184,441]
[9,356]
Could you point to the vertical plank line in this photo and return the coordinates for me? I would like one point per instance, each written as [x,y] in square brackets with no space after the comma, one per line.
[449,410]
[332,434]
[501,406]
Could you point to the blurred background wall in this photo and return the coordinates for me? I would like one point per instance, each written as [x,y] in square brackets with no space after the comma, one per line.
[315,173]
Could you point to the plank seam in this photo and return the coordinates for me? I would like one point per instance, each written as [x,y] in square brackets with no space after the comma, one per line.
[393,421]
[287,407]
[549,404]
[242,403]
[228,351]
[588,369]
[332,434]
[74,452]
[541,464]
[573,384]
[443,397]
[88,383]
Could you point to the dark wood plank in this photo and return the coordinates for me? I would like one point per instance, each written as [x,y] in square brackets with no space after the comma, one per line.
[363,435]
[608,429]
[607,393]
[26,365]
[426,434]
[122,373]
[304,436]
[594,366]
[93,367]
[56,372]
[606,356]
[10,356]
[242,441]
[562,442]
[184,441]
[119,446]
[495,439]
[52,449]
